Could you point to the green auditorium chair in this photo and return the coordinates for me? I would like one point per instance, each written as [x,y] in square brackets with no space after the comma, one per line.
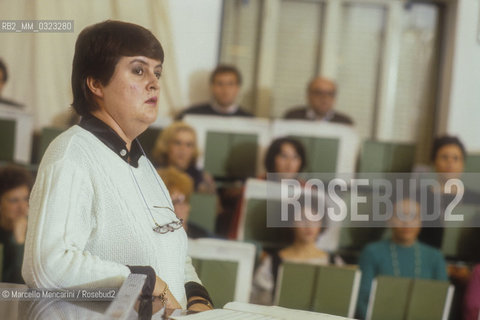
[225,268]
[471,175]
[460,239]
[219,278]
[472,163]
[230,148]
[47,135]
[296,285]
[322,153]
[378,156]
[336,290]
[255,228]
[430,300]
[325,289]
[258,196]
[203,212]
[7,140]
[412,299]
[389,298]
[231,155]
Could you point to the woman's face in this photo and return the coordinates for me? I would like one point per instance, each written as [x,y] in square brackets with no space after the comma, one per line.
[288,160]
[130,98]
[14,204]
[406,221]
[449,161]
[181,149]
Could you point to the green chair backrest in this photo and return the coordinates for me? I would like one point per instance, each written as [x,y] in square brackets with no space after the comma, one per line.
[471,181]
[147,139]
[460,240]
[325,289]
[386,157]
[411,299]
[472,163]
[255,226]
[203,210]
[219,278]
[7,140]
[231,155]
[391,296]
[430,300]
[47,135]
[322,153]
[296,285]
[336,290]
[355,238]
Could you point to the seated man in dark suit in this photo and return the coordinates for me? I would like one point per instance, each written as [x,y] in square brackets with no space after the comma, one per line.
[3,81]
[321,94]
[225,82]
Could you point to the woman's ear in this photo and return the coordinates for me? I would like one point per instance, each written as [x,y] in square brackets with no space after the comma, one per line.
[95,87]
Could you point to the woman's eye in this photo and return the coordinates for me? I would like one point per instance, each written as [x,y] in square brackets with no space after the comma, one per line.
[138,71]
[158,75]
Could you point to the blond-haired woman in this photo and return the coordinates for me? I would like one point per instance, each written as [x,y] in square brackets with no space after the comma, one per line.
[177,146]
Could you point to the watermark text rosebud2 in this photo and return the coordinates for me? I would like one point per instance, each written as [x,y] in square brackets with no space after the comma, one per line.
[370,200]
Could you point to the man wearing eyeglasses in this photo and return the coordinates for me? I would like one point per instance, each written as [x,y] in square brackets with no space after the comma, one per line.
[321,94]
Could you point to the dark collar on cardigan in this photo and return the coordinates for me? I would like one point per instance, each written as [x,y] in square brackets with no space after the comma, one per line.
[112,140]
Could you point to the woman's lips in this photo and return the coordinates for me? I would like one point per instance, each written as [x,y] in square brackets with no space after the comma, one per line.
[152,100]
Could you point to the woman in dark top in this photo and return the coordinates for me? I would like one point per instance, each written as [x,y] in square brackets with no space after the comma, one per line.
[448,157]
[15,185]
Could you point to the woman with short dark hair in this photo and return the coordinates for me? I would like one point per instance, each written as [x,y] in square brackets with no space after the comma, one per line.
[285,155]
[15,185]
[99,210]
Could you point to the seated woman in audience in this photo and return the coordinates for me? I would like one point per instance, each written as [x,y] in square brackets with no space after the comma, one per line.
[302,248]
[401,256]
[448,156]
[177,146]
[285,157]
[180,187]
[15,185]
[471,304]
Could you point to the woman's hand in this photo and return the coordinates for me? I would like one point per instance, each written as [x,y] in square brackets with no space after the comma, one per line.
[171,302]
[199,307]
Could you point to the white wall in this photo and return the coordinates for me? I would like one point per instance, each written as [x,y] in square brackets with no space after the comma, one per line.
[196,31]
[463,118]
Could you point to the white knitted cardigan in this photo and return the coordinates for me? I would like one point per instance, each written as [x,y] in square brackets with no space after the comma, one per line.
[88,220]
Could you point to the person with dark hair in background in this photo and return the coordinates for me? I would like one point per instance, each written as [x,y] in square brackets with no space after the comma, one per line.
[321,94]
[3,82]
[448,157]
[225,84]
[15,185]
[98,210]
[285,157]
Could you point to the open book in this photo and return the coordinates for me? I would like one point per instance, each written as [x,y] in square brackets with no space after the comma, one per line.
[241,311]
